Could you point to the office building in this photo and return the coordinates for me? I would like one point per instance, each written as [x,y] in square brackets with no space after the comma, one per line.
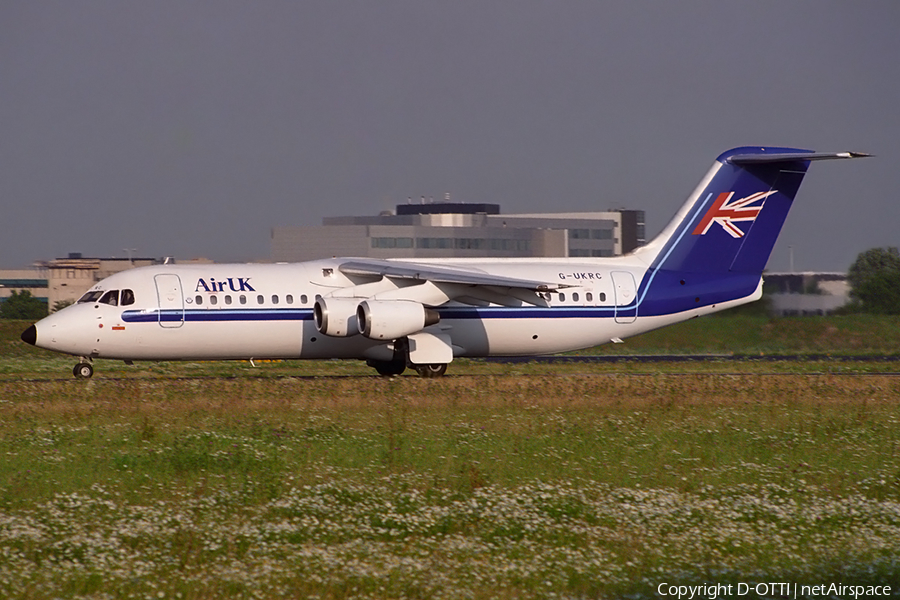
[460,230]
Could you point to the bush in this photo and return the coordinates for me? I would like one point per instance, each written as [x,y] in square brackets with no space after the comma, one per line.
[22,305]
[875,281]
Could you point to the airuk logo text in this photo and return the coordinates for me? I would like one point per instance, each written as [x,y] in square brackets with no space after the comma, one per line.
[235,284]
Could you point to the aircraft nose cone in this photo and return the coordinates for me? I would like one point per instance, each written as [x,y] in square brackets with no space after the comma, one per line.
[29,336]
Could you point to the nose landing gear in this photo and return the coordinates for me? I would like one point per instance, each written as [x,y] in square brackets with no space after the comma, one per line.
[83,370]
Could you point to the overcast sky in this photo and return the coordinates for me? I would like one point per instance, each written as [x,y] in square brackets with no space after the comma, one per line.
[192,128]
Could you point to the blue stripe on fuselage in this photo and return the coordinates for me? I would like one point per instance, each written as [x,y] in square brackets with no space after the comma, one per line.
[446,313]
[226,314]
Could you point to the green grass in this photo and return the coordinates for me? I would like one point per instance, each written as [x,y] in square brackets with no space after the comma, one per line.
[473,486]
[316,479]
[756,334]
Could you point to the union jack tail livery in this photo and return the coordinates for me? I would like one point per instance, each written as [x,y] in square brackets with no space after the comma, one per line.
[716,247]
[725,212]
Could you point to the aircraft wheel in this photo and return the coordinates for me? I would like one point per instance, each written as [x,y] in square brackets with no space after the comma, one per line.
[388,368]
[434,370]
[83,371]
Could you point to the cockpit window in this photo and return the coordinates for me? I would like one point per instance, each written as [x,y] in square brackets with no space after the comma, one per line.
[111,297]
[127,298]
[91,296]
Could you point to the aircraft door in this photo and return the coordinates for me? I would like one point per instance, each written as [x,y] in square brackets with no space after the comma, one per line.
[171,300]
[625,291]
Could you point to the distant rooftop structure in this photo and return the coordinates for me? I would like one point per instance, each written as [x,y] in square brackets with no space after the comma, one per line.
[70,277]
[66,279]
[438,208]
[458,230]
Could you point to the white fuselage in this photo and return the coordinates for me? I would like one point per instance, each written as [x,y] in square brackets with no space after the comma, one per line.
[242,311]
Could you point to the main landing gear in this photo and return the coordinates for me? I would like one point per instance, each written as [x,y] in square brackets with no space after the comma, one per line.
[83,370]
[428,371]
[390,368]
[400,360]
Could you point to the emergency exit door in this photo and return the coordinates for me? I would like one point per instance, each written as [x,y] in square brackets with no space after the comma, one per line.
[625,291]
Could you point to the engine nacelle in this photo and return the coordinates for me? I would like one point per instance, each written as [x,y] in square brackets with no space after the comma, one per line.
[392,319]
[336,316]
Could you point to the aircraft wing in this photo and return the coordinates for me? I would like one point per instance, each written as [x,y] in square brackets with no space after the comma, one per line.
[443,274]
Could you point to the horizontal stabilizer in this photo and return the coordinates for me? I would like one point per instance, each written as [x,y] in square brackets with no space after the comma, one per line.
[775,157]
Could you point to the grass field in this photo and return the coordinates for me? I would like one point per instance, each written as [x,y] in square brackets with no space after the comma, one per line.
[503,481]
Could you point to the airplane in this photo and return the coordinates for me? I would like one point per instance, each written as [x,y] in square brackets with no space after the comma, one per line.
[424,313]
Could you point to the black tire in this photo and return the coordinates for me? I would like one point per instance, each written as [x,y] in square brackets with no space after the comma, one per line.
[83,371]
[388,368]
[433,370]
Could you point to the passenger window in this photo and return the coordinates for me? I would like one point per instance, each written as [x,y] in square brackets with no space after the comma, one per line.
[274,299]
[289,299]
[199,299]
[562,297]
[214,300]
[227,299]
[589,297]
[260,299]
[243,299]
[111,297]
[303,299]
[127,298]
[574,296]
[602,297]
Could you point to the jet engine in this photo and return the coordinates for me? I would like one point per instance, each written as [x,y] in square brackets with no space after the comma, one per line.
[392,319]
[336,316]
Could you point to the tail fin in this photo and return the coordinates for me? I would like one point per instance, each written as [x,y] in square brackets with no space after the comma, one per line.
[716,247]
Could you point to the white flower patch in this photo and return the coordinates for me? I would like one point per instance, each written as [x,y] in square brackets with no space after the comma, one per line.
[402,537]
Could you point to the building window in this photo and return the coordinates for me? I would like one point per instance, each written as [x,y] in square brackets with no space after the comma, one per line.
[580,234]
[510,245]
[601,234]
[392,242]
[434,243]
[469,243]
